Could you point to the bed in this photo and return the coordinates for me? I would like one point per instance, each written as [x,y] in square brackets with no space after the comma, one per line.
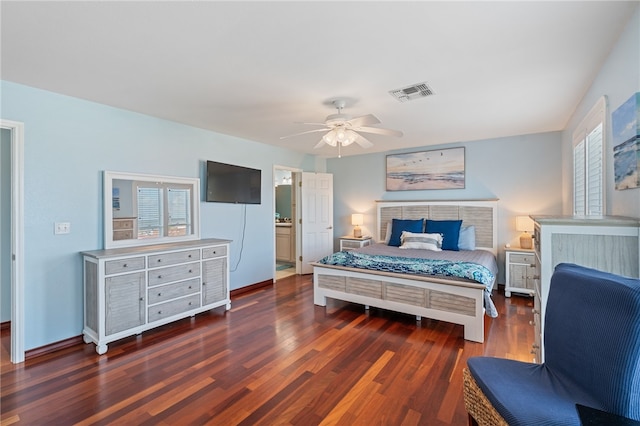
[445,297]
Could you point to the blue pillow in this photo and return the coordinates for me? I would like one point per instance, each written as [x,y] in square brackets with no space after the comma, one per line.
[450,230]
[467,239]
[399,225]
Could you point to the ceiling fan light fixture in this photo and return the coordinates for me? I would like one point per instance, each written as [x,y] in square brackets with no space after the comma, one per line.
[330,138]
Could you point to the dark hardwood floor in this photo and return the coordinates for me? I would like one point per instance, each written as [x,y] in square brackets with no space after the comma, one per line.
[274,359]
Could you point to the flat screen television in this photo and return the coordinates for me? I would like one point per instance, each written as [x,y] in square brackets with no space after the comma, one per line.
[227,183]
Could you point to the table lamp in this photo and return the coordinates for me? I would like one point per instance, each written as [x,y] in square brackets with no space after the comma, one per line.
[357,219]
[524,224]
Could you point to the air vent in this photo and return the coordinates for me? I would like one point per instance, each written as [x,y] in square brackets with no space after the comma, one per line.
[420,90]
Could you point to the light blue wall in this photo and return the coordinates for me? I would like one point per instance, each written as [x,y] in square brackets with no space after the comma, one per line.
[618,79]
[5,225]
[523,172]
[68,144]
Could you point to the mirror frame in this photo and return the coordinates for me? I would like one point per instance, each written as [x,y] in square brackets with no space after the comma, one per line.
[108,178]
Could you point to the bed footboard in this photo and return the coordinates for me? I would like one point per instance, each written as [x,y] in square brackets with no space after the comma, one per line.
[455,302]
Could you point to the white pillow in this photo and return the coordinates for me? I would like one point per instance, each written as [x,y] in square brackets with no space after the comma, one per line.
[412,240]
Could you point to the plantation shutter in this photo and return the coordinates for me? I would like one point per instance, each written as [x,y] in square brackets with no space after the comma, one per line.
[588,163]
[179,211]
[149,212]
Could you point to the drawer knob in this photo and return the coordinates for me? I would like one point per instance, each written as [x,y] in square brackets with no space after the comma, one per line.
[190,303]
[159,312]
[534,311]
[141,299]
[532,323]
[189,256]
[159,276]
[159,294]
[125,265]
[214,252]
[190,271]
[159,260]
[190,287]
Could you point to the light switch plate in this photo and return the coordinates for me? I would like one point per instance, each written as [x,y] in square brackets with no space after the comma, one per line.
[62,228]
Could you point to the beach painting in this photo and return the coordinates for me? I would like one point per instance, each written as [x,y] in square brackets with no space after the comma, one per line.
[438,169]
[625,126]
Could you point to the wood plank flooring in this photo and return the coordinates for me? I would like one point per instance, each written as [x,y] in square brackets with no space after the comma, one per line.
[274,359]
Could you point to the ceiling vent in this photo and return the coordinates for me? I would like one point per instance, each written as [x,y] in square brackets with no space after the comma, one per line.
[420,90]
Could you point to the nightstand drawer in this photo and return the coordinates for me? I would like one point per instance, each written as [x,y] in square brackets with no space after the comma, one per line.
[528,259]
[350,244]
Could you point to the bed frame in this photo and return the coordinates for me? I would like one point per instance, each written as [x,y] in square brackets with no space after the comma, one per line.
[455,301]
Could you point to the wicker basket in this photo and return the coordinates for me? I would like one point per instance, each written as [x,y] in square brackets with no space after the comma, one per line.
[477,404]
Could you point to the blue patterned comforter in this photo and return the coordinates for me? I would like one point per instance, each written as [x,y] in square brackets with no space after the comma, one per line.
[415,266]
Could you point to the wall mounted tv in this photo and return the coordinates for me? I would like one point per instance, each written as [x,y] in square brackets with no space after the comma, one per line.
[227,183]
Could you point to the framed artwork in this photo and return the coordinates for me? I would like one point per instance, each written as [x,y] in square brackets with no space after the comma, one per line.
[625,125]
[438,169]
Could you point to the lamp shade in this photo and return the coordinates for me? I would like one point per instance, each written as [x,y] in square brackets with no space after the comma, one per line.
[524,224]
[357,219]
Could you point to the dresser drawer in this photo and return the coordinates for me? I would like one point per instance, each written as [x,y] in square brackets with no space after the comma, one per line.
[217,251]
[164,259]
[166,292]
[174,273]
[528,259]
[123,265]
[126,234]
[174,307]
[119,224]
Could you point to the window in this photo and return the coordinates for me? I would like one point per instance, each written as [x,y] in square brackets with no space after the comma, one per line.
[155,198]
[588,162]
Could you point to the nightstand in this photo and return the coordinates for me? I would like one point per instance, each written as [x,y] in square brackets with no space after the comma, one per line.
[519,271]
[350,243]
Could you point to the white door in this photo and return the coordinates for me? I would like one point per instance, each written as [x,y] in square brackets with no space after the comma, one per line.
[316,195]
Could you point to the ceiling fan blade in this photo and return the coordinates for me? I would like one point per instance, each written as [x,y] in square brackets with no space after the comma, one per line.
[310,124]
[363,120]
[319,144]
[304,133]
[363,142]
[379,131]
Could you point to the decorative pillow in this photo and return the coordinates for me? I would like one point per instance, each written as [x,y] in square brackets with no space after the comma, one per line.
[450,230]
[399,225]
[421,241]
[467,239]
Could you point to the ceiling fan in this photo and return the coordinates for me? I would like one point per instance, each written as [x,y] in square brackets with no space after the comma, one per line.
[342,130]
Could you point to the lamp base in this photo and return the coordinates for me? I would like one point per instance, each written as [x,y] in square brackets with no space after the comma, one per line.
[357,232]
[526,242]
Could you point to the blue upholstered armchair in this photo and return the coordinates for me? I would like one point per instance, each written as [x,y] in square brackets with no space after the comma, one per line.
[592,357]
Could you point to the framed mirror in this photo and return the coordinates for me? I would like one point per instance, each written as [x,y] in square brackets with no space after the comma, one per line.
[147,209]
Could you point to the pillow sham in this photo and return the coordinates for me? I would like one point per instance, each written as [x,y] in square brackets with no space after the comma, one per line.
[399,225]
[411,240]
[450,230]
[467,239]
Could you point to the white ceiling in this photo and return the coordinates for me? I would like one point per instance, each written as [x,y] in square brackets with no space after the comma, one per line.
[254,69]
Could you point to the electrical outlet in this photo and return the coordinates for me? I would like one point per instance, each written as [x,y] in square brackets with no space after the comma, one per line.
[62,228]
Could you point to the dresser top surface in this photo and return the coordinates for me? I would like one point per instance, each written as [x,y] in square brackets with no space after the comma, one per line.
[142,250]
[587,220]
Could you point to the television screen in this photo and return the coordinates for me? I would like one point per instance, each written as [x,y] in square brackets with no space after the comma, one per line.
[227,183]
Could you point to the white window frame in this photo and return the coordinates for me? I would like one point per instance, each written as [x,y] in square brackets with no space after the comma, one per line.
[589,167]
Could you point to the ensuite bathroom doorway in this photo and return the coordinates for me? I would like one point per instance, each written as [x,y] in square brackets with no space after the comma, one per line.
[285,222]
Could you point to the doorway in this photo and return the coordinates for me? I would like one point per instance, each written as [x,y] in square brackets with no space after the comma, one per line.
[12,232]
[285,217]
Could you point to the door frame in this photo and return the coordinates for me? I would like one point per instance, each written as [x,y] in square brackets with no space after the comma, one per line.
[17,238]
[296,225]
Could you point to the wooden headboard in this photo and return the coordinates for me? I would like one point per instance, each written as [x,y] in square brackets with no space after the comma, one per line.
[483,214]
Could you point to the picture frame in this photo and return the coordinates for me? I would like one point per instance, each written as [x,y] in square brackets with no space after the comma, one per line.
[426,170]
[625,124]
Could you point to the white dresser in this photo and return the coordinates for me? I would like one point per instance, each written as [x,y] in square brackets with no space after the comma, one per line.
[608,243]
[130,290]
